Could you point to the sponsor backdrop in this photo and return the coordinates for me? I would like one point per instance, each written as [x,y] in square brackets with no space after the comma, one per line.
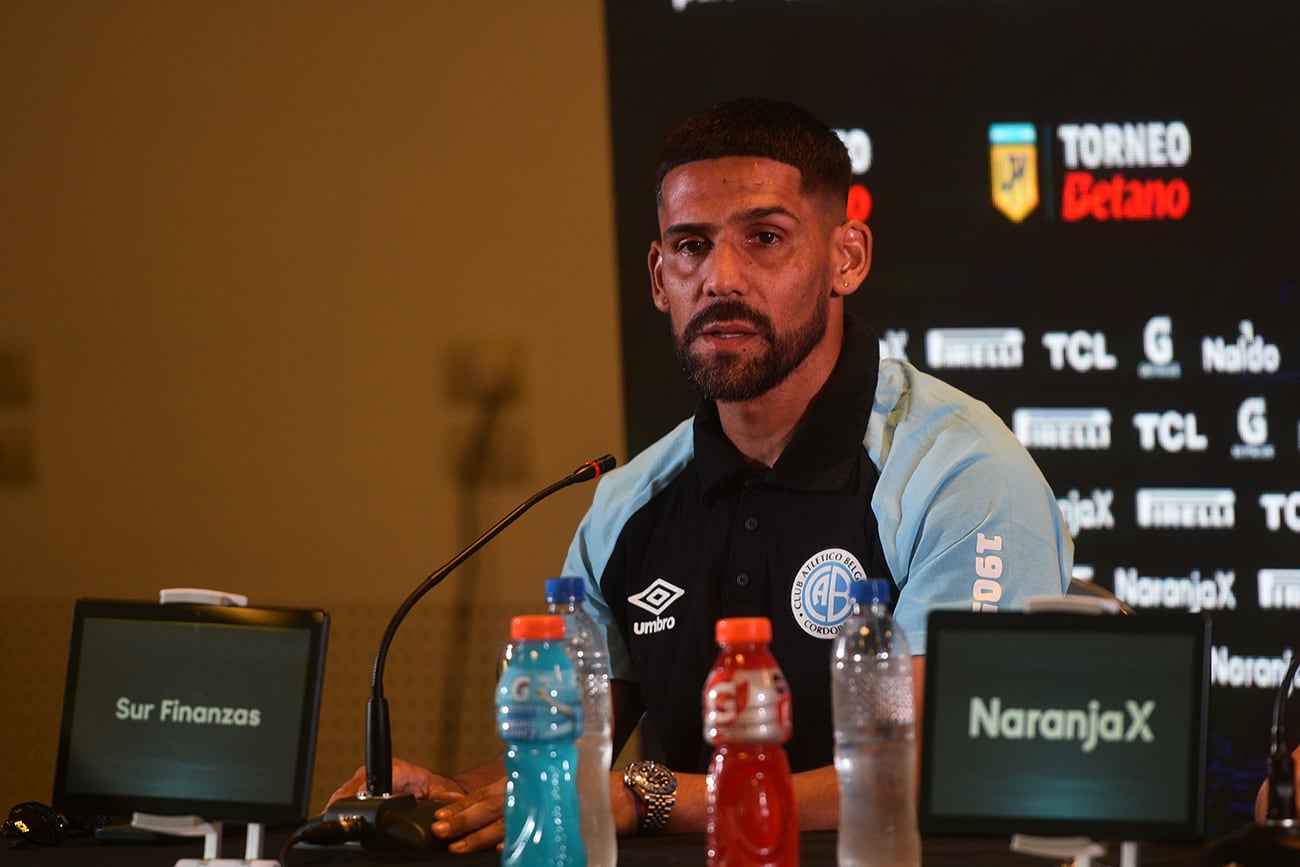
[1084,214]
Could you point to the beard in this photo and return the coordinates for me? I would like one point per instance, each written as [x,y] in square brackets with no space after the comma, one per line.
[730,377]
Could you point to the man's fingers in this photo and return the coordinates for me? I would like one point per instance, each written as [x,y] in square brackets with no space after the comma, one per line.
[489,836]
[473,822]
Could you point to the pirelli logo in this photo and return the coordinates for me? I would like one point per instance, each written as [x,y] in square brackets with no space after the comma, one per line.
[1062,428]
[975,347]
[1279,588]
[1186,508]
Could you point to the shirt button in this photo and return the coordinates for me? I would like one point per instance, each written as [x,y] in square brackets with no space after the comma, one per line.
[742,580]
[751,523]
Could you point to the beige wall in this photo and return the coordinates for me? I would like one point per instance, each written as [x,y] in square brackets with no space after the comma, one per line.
[260,260]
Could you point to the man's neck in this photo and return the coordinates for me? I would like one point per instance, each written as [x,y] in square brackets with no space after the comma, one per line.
[761,428]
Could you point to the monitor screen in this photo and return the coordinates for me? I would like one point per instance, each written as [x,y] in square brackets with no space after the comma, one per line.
[185,709]
[1065,725]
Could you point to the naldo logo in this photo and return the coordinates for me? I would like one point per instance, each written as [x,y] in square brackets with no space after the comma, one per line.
[820,599]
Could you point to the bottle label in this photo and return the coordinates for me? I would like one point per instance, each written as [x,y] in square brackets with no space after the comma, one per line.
[747,706]
[538,706]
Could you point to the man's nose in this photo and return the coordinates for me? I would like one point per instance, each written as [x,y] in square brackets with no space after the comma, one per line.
[726,271]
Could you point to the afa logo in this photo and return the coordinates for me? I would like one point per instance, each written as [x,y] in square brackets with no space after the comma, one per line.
[819,598]
[1013,160]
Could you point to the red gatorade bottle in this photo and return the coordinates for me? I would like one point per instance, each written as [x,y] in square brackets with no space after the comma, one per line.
[751,818]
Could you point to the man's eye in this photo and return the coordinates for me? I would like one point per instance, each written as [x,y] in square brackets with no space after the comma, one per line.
[691,247]
[766,238]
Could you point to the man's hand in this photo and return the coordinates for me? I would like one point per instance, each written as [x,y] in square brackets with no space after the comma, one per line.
[471,820]
[407,779]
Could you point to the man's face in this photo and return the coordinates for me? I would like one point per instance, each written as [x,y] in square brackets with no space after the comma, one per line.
[743,268]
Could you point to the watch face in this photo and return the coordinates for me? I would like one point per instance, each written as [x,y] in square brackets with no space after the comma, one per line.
[654,778]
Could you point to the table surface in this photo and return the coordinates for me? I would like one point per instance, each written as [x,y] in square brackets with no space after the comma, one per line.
[671,850]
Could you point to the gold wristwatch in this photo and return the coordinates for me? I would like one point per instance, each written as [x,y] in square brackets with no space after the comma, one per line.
[654,787]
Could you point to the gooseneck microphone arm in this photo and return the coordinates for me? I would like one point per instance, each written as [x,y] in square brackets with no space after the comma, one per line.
[379,741]
[1281,767]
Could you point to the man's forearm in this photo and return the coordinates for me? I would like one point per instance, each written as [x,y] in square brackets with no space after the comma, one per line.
[816,793]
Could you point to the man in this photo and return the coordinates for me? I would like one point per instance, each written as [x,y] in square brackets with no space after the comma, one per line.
[810,462]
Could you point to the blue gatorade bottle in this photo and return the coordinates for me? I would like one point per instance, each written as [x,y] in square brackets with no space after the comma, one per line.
[539,716]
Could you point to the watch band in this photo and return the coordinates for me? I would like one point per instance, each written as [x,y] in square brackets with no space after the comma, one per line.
[654,787]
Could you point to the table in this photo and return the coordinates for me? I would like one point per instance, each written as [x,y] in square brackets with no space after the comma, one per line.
[817,849]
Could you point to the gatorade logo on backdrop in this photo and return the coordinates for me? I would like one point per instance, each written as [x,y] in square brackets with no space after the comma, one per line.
[1013,162]
[819,598]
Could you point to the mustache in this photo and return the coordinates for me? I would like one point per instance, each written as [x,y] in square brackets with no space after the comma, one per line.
[728,310]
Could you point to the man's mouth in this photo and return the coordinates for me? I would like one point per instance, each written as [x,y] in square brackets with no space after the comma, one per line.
[728,330]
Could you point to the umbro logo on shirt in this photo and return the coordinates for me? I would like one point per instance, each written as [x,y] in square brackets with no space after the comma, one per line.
[656,599]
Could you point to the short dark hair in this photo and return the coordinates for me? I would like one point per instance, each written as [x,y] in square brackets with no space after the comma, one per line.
[757,127]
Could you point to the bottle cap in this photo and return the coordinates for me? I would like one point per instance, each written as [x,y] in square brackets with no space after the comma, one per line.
[565,590]
[537,627]
[743,630]
[871,590]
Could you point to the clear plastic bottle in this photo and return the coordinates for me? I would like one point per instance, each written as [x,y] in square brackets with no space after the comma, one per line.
[589,653]
[875,735]
[539,716]
[750,815]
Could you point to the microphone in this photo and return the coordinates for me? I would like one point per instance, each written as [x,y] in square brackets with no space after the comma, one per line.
[1275,841]
[388,821]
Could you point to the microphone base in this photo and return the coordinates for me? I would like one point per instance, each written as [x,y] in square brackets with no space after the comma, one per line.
[1257,846]
[391,823]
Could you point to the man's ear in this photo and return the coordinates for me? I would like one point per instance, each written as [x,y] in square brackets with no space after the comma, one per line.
[655,262]
[853,244]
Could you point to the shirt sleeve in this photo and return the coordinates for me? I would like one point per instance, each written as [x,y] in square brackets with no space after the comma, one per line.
[585,561]
[967,520]
[619,494]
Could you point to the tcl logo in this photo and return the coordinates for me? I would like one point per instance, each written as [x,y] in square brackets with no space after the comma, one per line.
[1172,431]
[1281,509]
[1081,350]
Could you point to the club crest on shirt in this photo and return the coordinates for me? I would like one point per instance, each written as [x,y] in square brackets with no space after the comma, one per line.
[819,597]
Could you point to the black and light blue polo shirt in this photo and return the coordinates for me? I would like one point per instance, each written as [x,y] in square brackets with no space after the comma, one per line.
[891,473]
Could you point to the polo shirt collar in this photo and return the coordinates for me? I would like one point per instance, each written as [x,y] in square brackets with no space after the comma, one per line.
[825,446]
